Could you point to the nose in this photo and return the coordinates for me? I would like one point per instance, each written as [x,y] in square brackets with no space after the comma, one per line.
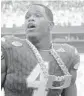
[31,19]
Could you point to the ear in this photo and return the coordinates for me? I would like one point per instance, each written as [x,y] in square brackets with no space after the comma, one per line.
[51,24]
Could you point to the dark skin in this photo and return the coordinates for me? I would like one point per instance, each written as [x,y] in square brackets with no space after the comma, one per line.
[44,43]
[41,33]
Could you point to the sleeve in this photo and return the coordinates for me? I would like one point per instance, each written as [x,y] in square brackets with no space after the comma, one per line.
[75,59]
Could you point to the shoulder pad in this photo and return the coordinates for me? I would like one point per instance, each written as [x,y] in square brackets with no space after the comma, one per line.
[75,57]
[59,47]
[9,41]
[7,38]
[65,47]
[68,48]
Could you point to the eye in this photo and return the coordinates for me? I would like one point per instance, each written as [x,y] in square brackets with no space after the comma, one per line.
[38,15]
[27,16]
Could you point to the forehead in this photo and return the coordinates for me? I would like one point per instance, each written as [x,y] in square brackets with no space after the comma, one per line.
[36,8]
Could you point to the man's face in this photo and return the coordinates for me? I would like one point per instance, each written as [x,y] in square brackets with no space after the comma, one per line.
[36,22]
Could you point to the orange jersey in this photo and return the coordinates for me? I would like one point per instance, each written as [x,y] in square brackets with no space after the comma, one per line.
[20,62]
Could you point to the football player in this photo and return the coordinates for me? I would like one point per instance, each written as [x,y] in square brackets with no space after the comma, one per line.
[34,66]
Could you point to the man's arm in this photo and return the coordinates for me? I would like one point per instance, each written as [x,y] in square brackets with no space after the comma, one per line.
[72,90]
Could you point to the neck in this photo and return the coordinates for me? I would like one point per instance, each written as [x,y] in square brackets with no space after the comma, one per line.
[44,43]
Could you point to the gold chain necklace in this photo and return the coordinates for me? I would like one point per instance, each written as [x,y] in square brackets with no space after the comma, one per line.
[61,64]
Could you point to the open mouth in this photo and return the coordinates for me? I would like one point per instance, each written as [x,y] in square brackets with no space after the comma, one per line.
[31,25]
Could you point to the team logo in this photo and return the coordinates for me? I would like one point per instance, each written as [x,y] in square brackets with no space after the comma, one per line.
[16,43]
[60,50]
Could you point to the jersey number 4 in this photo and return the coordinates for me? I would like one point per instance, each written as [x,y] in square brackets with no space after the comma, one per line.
[36,80]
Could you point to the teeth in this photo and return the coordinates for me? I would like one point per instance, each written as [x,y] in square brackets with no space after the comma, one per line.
[31,26]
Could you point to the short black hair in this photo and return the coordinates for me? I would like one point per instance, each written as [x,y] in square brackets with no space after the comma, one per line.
[47,11]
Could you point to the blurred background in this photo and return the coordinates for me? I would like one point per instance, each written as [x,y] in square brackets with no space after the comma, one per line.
[68,19]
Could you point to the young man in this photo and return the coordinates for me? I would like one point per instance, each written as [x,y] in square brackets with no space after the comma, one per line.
[35,66]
